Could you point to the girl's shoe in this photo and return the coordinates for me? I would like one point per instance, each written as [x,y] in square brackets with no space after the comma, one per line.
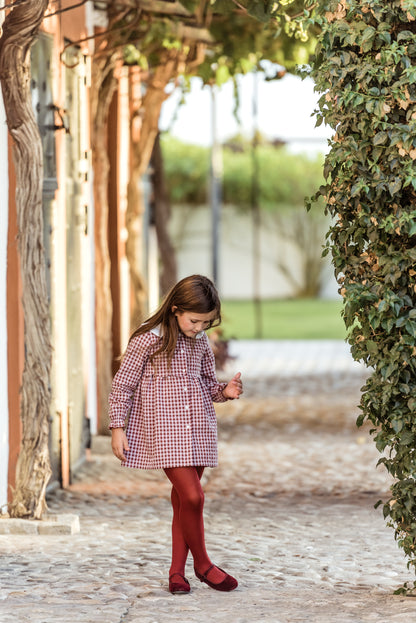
[228,584]
[178,584]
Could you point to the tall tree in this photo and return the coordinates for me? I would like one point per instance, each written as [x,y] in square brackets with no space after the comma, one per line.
[161,206]
[33,468]
[176,43]
[168,67]
[153,39]
[103,85]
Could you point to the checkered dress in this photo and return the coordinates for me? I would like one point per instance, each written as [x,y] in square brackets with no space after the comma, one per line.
[171,418]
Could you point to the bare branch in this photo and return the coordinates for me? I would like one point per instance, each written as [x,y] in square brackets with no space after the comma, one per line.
[68,8]
[97,36]
[240,6]
[311,8]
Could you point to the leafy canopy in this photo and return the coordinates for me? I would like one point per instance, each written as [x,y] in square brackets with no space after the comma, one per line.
[235,42]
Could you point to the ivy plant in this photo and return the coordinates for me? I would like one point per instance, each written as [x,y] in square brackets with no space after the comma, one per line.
[365,71]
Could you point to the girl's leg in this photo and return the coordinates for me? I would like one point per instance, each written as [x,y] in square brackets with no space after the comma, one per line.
[180,548]
[188,524]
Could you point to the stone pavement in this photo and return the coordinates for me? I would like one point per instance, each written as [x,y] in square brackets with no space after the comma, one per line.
[292,358]
[289,512]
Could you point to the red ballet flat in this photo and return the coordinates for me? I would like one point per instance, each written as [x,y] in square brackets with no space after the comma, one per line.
[181,586]
[228,583]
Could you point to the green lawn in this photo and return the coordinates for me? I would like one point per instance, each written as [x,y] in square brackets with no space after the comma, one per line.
[303,319]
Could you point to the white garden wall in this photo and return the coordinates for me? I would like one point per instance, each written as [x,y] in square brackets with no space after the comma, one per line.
[191,228]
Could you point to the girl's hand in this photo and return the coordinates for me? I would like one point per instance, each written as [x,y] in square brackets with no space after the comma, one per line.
[119,443]
[234,387]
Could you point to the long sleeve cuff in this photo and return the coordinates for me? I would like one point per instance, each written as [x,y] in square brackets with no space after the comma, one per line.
[116,422]
[219,396]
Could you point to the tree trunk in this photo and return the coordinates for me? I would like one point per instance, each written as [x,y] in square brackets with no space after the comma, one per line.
[102,89]
[103,85]
[142,146]
[135,206]
[161,207]
[33,468]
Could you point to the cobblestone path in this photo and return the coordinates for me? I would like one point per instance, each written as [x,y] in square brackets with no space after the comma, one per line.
[289,512]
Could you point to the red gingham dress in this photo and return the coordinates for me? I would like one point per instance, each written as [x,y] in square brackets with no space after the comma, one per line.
[171,418]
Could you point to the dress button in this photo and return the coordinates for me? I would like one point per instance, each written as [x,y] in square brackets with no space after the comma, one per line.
[186,407]
[184,370]
[185,389]
[188,426]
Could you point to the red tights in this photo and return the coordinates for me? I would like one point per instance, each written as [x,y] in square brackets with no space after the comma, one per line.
[188,524]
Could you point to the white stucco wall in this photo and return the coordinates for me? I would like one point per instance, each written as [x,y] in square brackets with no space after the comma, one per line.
[92,374]
[4,412]
[191,227]
[91,21]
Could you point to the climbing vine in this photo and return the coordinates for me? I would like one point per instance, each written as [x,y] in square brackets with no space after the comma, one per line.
[365,70]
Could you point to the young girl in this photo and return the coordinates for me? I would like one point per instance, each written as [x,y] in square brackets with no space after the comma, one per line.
[165,385]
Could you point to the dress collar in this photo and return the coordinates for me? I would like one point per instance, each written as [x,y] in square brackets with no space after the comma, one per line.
[157,331]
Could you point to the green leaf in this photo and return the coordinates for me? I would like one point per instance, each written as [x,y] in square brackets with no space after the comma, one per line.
[410,327]
[405,35]
[395,186]
[380,138]
[397,425]
[360,420]
[372,347]
[222,75]
[369,33]
[407,438]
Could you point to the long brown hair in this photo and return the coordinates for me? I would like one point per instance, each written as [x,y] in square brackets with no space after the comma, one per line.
[195,294]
